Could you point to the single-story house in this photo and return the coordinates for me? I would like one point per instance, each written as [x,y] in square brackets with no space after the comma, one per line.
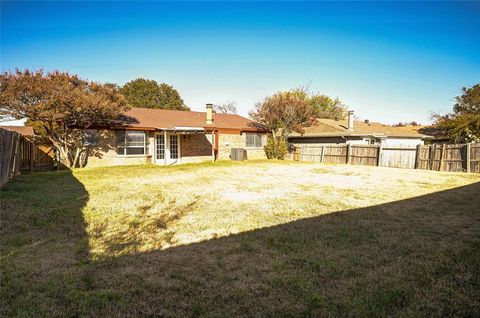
[170,136]
[351,131]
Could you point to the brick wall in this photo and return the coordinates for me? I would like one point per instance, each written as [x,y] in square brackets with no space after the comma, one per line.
[193,148]
[105,153]
[228,141]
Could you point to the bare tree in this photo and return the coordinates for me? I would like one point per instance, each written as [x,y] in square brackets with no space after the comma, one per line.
[228,107]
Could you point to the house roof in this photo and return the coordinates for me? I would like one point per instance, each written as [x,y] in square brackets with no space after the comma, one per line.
[146,118]
[22,130]
[330,128]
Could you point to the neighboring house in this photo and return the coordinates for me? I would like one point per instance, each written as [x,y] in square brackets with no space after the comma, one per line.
[170,136]
[351,131]
[26,131]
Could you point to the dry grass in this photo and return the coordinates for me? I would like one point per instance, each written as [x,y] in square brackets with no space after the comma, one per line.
[241,239]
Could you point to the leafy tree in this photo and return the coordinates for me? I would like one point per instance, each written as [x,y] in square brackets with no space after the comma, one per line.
[325,106]
[469,101]
[284,113]
[228,107]
[60,105]
[463,125]
[149,94]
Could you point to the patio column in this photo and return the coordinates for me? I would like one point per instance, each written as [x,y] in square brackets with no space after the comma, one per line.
[165,147]
[213,145]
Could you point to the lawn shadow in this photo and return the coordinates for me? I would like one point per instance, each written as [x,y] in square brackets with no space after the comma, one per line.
[418,256]
[44,249]
[414,257]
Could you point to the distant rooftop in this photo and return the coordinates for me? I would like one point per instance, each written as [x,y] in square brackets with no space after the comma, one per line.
[22,130]
[330,127]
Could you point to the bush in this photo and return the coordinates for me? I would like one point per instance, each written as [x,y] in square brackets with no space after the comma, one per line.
[277,149]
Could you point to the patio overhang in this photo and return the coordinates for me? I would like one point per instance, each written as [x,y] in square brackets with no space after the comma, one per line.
[184,130]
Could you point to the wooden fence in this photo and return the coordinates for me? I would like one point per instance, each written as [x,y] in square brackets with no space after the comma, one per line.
[17,154]
[454,158]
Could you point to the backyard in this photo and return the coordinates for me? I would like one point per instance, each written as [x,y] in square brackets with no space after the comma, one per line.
[255,238]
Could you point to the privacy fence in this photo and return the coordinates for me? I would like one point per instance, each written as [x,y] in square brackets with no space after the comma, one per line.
[454,158]
[18,153]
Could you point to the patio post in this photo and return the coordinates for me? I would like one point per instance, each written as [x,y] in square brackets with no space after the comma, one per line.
[165,147]
[213,145]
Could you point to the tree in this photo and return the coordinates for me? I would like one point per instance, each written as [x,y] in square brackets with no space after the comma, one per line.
[469,101]
[228,107]
[284,113]
[146,93]
[463,125]
[405,124]
[60,105]
[325,106]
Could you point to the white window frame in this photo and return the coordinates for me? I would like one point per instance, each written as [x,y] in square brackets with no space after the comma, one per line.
[255,145]
[125,146]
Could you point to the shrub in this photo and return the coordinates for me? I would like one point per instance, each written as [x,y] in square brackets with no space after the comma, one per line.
[277,149]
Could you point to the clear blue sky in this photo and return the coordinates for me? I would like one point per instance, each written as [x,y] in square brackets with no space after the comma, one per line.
[388,61]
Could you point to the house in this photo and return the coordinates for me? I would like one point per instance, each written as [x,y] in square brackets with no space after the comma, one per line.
[351,131]
[170,136]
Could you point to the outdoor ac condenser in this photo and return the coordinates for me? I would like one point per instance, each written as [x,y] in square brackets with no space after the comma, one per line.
[237,154]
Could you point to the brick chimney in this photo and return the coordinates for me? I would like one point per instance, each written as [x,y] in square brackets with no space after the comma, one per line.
[209,113]
[350,120]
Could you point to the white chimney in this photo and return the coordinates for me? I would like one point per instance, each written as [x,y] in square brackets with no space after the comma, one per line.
[350,120]
[209,114]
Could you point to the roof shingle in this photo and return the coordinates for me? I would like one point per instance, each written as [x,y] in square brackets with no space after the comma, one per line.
[169,119]
[22,130]
[331,127]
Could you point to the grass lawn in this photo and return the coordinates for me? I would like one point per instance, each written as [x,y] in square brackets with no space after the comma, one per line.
[227,239]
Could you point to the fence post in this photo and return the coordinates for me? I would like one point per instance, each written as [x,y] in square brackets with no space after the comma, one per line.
[322,158]
[469,146]
[417,157]
[379,155]
[349,150]
[32,147]
[431,151]
[442,158]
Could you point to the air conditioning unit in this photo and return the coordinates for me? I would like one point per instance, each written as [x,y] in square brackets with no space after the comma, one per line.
[237,154]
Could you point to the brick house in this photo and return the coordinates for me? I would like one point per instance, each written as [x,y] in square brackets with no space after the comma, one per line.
[169,136]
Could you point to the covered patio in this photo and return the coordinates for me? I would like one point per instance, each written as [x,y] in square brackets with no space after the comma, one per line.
[184,144]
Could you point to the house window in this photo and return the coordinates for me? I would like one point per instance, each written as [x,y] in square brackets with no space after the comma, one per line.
[370,141]
[253,140]
[91,137]
[160,146]
[173,146]
[132,142]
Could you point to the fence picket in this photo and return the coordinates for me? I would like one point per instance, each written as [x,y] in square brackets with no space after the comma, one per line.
[20,154]
[454,158]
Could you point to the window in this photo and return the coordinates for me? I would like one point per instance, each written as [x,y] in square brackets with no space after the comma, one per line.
[173,146]
[253,140]
[91,137]
[160,147]
[131,142]
[369,141]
